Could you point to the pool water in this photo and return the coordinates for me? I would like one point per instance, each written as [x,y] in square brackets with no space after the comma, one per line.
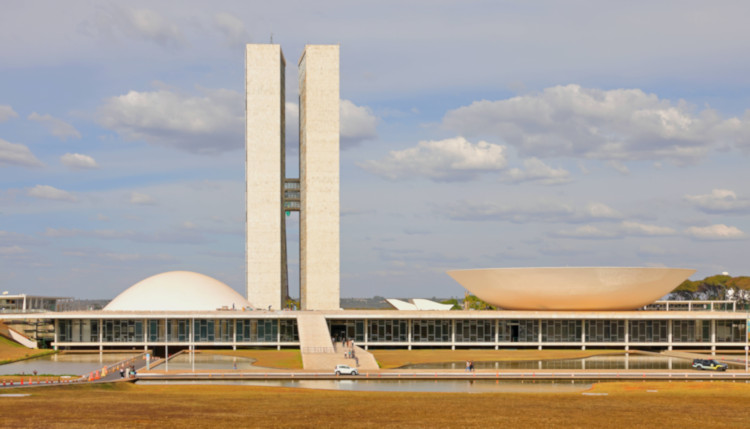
[64,364]
[204,361]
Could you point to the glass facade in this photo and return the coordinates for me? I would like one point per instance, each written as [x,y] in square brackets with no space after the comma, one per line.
[350,329]
[648,331]
[397,330]
[518,331]
[605,331]
[387,330]
[730,331]
[691,331]
[431,330]
[78,331]
[259,330]
[561,331]
[475,330]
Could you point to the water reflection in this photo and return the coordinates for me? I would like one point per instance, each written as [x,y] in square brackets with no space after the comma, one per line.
[594,362]
[203,361]
[64,364]
[461,386]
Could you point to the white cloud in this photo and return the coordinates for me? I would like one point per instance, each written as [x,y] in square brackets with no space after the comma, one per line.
[719,201]
[210,123]
[586,232]
[57,127]
[615,125]
[17,154]
[50,193]
[635,228]
[232,28]
[715,232]
[6,113]
[545,212]
[144,24]
[358,123]
[12,250]
[141,199]
[453,159]
[536,171]
[78,161]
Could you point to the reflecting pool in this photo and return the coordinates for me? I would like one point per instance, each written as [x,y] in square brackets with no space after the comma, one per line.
[631,361]
[64,363]
[204,361]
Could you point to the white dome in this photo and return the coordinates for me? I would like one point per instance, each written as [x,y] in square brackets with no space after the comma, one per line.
[177,291]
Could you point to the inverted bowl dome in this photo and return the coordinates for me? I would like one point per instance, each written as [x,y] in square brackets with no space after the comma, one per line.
[579,288]
[177,291]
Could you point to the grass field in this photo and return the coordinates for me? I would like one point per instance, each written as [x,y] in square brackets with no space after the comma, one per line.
[396,358]
[631,405]
[281,359]
[10,351]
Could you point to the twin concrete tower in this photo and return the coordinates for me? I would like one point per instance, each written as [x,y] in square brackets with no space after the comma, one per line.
[270,194]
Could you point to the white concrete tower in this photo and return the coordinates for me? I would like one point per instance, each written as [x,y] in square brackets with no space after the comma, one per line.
[265,244]
[319,177]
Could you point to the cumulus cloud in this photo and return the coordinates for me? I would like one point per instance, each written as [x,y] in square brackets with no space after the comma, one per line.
[454,159]
[17,154]
[715,232]
[545,212]
[635,228]
[586,232]
[47,192]
[57,127]
[536,171]
[112,22]
[719,201]
[232,28]
[209,123]
[6,113]
[358,123]
[12,250]
[613,125]
[78,161]
[141,199]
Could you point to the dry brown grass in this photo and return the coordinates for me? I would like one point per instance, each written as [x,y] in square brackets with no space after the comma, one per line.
[11,351]
[281,359]
[397,358]
[674,405]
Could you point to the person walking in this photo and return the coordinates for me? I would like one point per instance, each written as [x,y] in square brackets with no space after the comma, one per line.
[122,372]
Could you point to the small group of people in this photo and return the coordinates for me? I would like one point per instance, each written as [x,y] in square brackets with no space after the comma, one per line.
[129,371]
[469,366]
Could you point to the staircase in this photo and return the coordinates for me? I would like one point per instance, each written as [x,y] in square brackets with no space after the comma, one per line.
[319,353]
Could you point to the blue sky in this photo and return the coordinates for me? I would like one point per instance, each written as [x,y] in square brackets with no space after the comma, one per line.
[475,134]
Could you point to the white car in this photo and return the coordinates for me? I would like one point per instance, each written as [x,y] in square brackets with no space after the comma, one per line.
[345,370]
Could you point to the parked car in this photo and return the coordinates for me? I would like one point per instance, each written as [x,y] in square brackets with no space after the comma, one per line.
[345,370]
[709,364]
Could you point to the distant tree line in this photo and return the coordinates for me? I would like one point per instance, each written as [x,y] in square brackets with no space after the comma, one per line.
[719,287]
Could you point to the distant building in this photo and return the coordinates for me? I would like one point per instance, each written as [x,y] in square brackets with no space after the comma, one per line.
[24,303]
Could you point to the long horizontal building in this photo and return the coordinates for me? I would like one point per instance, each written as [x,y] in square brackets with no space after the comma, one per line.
[666,330]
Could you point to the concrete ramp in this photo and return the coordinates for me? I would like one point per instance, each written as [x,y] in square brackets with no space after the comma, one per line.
[16,336]
[319,353]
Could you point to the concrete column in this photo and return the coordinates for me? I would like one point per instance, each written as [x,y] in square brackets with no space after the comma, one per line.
[627,336]
[497,334]
[56,331]
[583,336]
[453,334]
[669,337]
[367,330]
[101,335]
[192,336]
[713,337]
[234,334]
[278,334]
[539,333]
[409,330]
